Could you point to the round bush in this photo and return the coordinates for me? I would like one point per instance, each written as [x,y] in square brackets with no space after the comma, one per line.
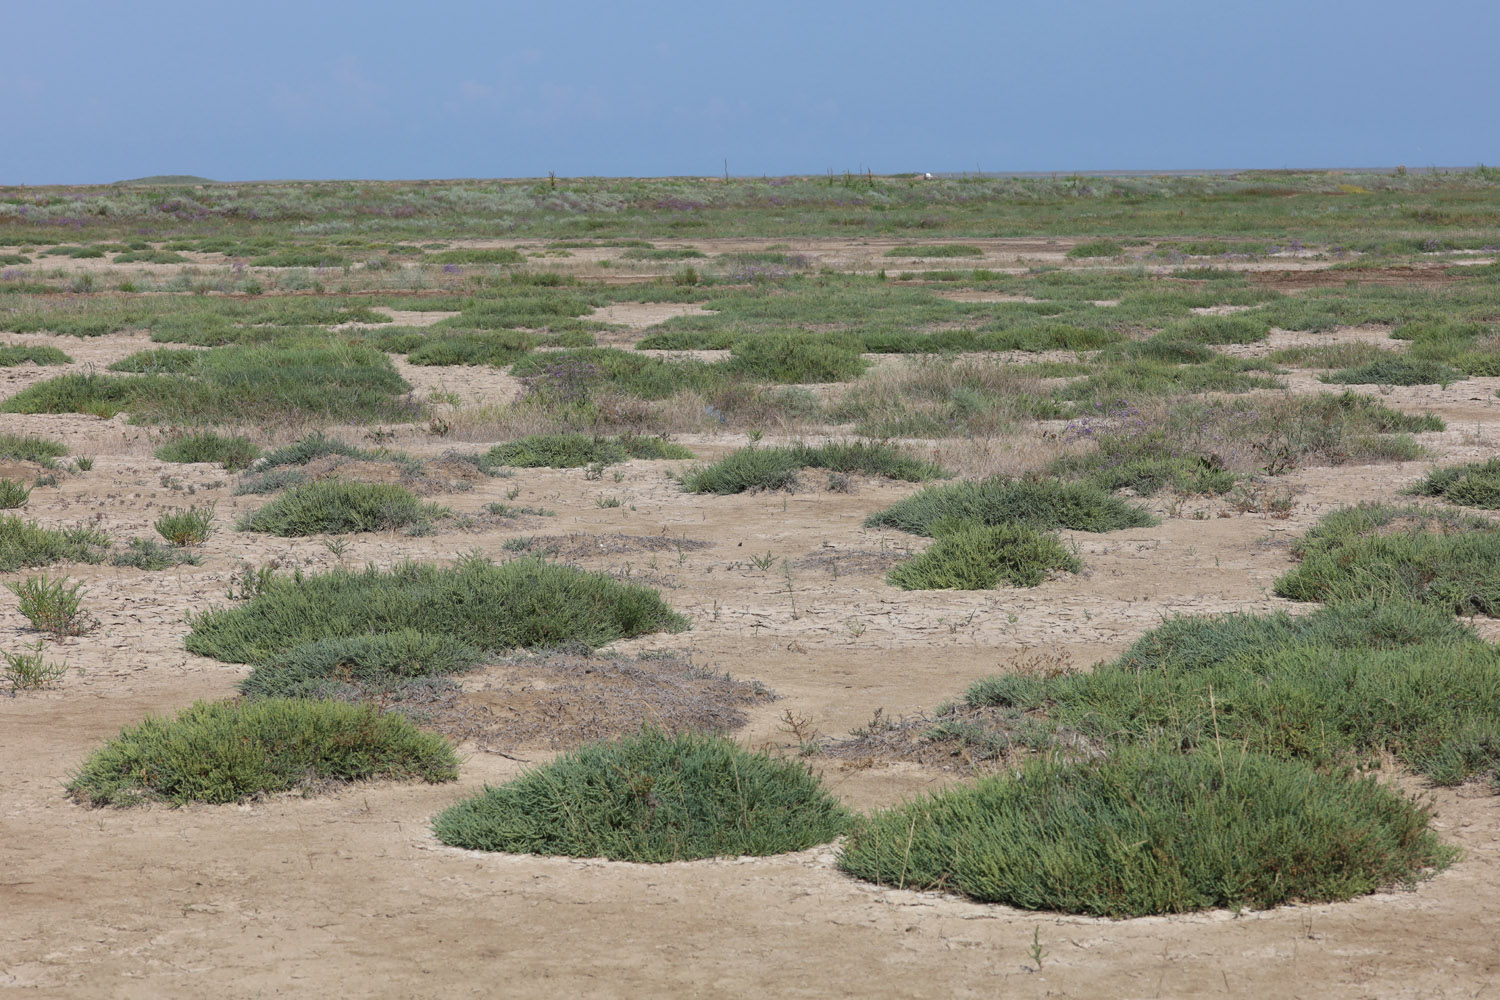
[651,798]
[1151,832]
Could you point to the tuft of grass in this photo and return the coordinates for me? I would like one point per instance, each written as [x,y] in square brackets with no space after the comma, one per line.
[1476,484]
[798,358]
[1232,329]
[29,448]
[218,752]
[336,506]
[314,446]
[477,256]
[26,543]
[52,605]
[521,603]
[1151,832]
[232,452]
[1396,369]
[160,361]
[651,798]
[150,555]
[777,468]
[569,451]
[1044,504]
[186,527]
[322,668]
[970,556]
[936,250]
[1097,248]
[36,354]
[13,493]
[1439,557]
[30,671]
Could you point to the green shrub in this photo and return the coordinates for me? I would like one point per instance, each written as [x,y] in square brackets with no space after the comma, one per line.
[220,752]
[232,452]
[317,669]
[273,481]
[497,348]
[335,506]
[42,451]
[1233,329]
[936,250]
[521,603]
[1409,553]
[186,527]
[13,493]
[26,543]
[569,451]
[150,555]
[1143,833]
[52,605]
[970,556]
[1474,485]
[651,798]
[777,468]
[1045,504]
[1396,370]
[314,446]
[1097,248]
[38,354]
[798,357]
[30,671]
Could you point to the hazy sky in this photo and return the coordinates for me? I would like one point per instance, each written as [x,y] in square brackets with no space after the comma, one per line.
[107,90]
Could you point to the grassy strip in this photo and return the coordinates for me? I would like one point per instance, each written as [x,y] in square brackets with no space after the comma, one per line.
[651,798]
[1437,557]
[230,751]
[30,448]
[1044,504]
[777,468]
[335,506]
[1145,832]
[568,451]
[521,603]
[969,556]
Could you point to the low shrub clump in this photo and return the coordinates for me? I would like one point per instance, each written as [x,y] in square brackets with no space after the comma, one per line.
[1097,248]
[1439,557]
[232,452]
[651,798]
[336,506]
[522,603]
[13,493]
[777,468]
[26,543]
[329,668]
[1396,369]
[1151,832]
[970,556]
[29,448]
[936,250]
[1044,504]
[150,555]
[568,451]
[37,354]
[1474,485]
[186,527]
[798,357]
[220,752]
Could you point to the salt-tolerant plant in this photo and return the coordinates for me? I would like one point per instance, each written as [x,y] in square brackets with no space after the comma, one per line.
[970,556]
[187,527]
[653,798]
[53,605]
[13,493]
[30,671]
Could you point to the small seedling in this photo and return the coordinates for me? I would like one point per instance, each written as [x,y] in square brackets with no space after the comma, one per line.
[187,527]
[1037,952]
[763,562]
[337,546]
[84,463]
[604,501]
[53,606]
[29,671]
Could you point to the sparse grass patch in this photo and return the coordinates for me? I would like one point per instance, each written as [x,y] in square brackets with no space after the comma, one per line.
[13,493]
[936,250]
[651,798]
[186,527]
[29,448]
[26,543]
[1396,369]
[150,555]
[53,605]
[1476,484]
[336,506]
[798,358]
[969,556]
[37,354]
[327,668]
[568,451]
[521,603]
[477,256]
[1044,504]
[232,452]
[1151,832]
[220,752]
[1421,554]
[756,468]
[1097,248]
[30,671]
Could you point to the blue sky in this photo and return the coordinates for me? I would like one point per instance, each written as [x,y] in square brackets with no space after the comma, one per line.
[101,91]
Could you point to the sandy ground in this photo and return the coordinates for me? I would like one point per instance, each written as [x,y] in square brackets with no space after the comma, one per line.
[350,895]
